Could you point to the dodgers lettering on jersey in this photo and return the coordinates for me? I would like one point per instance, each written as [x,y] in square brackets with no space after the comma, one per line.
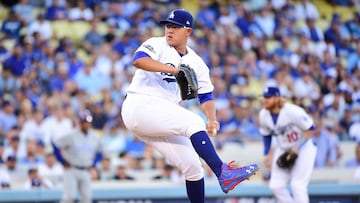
[292,121]
[164,84]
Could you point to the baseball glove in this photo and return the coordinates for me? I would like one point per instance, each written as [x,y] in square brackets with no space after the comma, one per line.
[287,159]
[187,81]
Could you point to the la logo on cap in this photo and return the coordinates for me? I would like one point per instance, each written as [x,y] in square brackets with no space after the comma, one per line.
[172,15]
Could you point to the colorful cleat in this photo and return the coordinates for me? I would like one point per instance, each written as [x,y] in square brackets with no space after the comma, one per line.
[230,176]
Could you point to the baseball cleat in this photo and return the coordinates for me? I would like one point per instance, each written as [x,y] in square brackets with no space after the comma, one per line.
[230,176]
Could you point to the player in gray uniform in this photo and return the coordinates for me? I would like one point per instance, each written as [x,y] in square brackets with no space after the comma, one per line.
[78,151]
[152,112]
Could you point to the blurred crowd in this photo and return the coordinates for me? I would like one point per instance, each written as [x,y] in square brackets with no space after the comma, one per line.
[47,76]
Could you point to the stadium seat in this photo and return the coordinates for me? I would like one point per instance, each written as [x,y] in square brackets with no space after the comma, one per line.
[83,56]
[325,9]
[3,13]
[322,24]
[271,45]
[61,28]
[345,12]
[9,44]
[103,28]
[79,29]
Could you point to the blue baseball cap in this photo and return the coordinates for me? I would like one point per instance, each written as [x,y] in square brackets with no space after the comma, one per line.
[84,116]
[179,17]
[271,92]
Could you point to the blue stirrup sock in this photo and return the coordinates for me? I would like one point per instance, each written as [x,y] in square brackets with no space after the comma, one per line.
[205,149]
[195,191]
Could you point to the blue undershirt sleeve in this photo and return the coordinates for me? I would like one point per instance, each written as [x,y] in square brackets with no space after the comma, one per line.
[205,97]
[57,153]
[98,157]
[267,144]
[139,54]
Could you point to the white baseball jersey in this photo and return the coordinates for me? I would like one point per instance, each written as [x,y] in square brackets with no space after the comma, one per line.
[164,85]
[292,121]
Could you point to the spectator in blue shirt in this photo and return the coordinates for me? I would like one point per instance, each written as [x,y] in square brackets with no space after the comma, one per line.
[8,119]
[7,81]
[92,39]
[16,62]
[56,11]
[353,59]
[74,63]
[206,17]
[11,26]
[327,153]
[61,76]
[354,26]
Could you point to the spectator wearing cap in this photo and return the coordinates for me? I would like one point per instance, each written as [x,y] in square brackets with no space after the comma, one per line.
[35,181]
[13,144]
[41,26]
[8,119]
[16,172]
